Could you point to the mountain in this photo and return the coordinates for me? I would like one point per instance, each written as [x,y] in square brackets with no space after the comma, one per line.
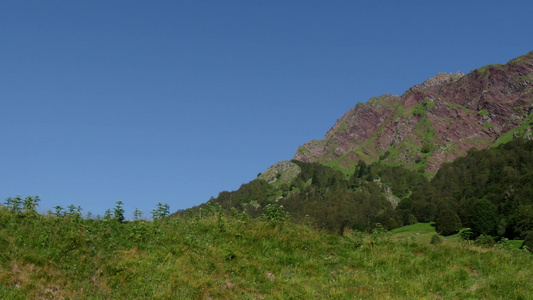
[374,166]
[432,122]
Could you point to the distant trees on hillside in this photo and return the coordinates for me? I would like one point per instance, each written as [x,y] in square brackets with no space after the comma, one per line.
[490,190]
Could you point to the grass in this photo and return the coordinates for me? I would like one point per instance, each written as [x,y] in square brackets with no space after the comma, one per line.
[483,112]
[421,228]
[228,257]
[520,131]
[485,69]
[342,128]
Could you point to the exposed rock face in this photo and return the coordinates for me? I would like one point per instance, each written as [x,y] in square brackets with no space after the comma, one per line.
[283,171]
[432,122]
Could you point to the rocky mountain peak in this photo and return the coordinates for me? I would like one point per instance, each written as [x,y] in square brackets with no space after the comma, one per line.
[438,80]
[432,122]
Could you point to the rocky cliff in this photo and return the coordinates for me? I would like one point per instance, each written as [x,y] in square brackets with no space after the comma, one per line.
[432,122]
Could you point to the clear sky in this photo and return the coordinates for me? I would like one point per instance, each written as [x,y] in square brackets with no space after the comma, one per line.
[176,101]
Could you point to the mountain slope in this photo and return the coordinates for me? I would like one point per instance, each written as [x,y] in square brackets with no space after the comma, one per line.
[432,122]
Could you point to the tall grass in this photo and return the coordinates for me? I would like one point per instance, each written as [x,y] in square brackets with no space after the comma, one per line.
[227,257]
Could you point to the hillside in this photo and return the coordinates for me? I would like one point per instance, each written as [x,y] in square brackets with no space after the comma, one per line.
[433,122]
[489,191]
[375,165]
[212,256]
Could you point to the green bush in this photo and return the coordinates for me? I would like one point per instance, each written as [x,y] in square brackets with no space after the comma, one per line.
[466,234]
[275,213]
[485,240]
[528,242]
[447,223]
[436,239]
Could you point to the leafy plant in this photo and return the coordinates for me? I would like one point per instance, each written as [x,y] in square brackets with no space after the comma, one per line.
[485,240]
[30,204]
[466,234]
[14,204]
[275,213]
[161,211]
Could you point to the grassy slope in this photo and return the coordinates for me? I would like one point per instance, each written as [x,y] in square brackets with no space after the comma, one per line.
[232,257]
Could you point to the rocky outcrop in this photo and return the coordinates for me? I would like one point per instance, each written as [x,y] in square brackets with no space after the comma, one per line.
[281,172]
[432,122]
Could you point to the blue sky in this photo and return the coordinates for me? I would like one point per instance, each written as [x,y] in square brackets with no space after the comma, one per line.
[176,101]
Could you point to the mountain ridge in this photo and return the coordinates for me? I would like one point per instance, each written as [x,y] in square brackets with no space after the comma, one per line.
[377,164]
[432,122]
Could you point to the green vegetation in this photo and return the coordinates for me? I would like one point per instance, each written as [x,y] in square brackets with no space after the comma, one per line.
[523,58]
[487,125]
[420,228]
[528,241]
[220,255]
[487,191]
[485,70]
[342,128]
[525,127]
[483,112]
[303,150]
[490,190]
[322,233]
[330,199]
[448,222]
[421,108]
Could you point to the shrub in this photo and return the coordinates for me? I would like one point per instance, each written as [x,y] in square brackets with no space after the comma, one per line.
[528,242]
[426,148]
[504,243]
[436,239]
[466,234]
[275,213]
[411,219]
[447,223]
[485,240]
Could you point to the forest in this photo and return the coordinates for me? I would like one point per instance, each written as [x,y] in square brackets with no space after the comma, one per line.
[487,193]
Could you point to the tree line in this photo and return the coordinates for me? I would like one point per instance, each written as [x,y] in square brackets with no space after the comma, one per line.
[488,191]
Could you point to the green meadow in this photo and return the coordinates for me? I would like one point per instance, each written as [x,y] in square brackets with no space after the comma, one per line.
[231,256]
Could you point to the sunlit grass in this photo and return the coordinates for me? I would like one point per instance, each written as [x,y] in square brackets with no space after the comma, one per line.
[226,258]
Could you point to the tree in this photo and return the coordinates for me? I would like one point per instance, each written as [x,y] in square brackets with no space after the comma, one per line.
[522,221]
[447,223]
[361,169]
[484,217]
[119,212]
